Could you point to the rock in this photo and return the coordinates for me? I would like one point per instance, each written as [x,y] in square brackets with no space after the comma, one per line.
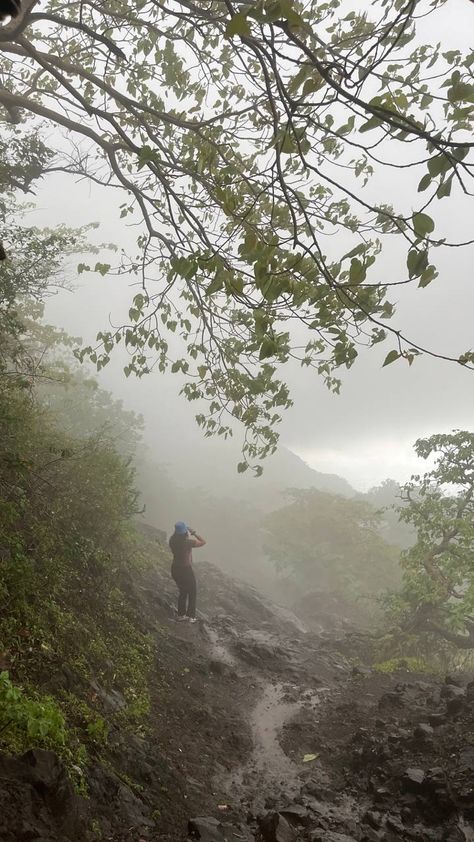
[391,700]
[413,779]
[317,807]
[111,699]
[369,834]
[381,794]
[372,818]
[49,806]
[361,672]
[296,814]
[423,686]
[437,719]
[452,691]
[275,828]
[394,823]
[406,814]
[423,731]
[470,689]
[453,680]
[330,836]
[206,828]
[218,667]
[270,802]
[466,757]
[455,704]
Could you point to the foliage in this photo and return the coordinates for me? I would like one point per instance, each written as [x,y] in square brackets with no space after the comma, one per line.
[35,268]
[244,134]
[408,664]
[437,598]
[386,499]
[26,722]
[331,543]
[66,542]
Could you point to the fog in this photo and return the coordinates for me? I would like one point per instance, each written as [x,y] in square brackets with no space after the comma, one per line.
[364,434]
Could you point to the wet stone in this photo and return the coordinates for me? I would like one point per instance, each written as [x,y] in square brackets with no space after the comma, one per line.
[452,691]
[453,680]
[394,823]
[413,778]
[437,719]
[296,814]
[206,828]
[369,834]
[373,819]
[275,828]
[423,731]
[455,704]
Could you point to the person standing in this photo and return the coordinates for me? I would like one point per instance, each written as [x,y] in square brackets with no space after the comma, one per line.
[182,543]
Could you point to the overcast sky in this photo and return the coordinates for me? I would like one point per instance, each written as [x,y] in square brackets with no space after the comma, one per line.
[366,433]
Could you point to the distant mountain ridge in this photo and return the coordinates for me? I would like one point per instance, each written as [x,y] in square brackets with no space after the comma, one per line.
[210,466]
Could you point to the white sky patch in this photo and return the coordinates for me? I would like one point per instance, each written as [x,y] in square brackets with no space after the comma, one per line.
[369,464]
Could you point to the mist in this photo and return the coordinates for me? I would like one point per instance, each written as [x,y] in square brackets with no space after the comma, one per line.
[236,600]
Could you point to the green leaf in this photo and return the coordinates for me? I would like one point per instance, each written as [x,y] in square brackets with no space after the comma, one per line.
[287,146]
[267,348]
[422,224]
[417,261]
[461,92]
[215,286]
[439,164]
[391,357]
[424,183]
[146,155]
[242,467]
[428,275]
[238,25]
[357,271]
[102,268]
[444,189]
[373,123]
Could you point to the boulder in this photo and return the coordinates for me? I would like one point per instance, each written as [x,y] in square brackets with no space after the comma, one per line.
[413,779]
[372,818]
[452,691]
[296,814]
[395,824]
[453,680]
[273,827]
[369,834]
[206,828]
[437,719]
[456,703]
[423,731]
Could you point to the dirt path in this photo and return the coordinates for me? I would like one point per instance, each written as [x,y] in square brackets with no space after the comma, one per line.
[269,770]
[269,774]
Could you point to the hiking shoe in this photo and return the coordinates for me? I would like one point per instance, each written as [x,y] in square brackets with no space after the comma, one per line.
[192,619]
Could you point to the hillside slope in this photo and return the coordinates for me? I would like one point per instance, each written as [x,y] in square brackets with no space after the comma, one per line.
[256,729]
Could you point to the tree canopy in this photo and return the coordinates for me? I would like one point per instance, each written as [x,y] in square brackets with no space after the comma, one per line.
[438,589]
[331,544]
[245,136]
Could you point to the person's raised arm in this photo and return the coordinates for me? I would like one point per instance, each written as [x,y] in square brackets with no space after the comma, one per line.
[198,540]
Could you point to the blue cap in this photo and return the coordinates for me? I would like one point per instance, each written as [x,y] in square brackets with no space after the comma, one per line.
[180,527]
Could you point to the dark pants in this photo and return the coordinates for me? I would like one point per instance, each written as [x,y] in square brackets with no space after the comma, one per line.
[186,582]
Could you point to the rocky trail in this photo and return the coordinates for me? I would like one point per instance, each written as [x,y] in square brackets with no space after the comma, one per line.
[261,729]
